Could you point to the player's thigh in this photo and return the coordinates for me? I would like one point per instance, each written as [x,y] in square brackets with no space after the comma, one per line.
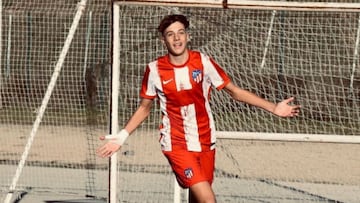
[201,192]
[207,163]
[191,167]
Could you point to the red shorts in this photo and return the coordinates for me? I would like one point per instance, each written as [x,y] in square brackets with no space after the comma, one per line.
[191,167]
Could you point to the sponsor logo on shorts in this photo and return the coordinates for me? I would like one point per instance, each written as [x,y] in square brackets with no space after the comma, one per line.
[188,173]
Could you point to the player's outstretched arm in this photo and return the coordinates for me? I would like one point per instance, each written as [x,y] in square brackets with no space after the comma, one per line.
[282,109]
[115,141]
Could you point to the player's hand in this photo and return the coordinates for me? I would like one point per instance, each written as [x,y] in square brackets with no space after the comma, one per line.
[284,109]
[107,149]
[113,145]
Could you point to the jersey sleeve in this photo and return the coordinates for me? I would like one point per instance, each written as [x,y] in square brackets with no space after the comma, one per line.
[148,89]
[219,79]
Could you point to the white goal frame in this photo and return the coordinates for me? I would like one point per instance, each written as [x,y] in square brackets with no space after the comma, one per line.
[57,69]
[249,4]
[1,28]
[245,4]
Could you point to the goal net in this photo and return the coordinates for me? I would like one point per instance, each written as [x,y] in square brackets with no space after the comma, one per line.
[276,50]
[54,85]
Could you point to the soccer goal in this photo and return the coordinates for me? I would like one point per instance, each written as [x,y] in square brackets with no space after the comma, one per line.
[54,87]
[275,49]
[71,71]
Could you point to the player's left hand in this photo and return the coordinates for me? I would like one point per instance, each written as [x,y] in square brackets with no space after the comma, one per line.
[284,109]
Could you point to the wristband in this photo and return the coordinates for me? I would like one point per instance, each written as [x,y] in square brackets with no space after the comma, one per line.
[118,138]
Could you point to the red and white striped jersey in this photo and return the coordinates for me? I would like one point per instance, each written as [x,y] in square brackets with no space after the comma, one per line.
[183,92]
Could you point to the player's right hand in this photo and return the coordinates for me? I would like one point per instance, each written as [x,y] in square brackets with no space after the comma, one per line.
[114,143]
[108,149]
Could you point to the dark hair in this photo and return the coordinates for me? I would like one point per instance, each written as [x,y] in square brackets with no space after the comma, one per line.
[170,19]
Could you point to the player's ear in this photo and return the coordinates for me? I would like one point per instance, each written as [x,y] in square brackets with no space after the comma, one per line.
[162,39]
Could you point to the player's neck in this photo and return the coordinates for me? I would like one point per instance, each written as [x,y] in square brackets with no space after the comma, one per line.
[179,59]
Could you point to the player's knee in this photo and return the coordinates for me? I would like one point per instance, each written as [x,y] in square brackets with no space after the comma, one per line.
[201,193]
[202,200]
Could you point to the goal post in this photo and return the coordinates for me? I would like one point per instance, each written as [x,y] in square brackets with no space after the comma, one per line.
[44,103]
[275,49]
[55,90]
[254,4]
[115,76]
[351,139]
[1,106]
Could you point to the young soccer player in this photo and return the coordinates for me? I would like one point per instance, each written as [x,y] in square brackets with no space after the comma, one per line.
[182,81]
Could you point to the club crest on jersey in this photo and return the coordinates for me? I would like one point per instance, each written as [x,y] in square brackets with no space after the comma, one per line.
[188,173]
[197,76]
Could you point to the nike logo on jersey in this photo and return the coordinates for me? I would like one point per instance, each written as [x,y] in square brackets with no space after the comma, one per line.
[167,81]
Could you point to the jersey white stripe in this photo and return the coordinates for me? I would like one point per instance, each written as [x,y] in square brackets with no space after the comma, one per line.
[206,89]
[165,140]
[153,80]
[211,72]
[191,130]
[182,78]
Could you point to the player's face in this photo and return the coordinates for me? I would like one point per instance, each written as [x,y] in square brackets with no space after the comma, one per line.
[175,38]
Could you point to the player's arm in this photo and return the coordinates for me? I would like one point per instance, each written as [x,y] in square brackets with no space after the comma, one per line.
[140,115]
[282,108]
[116,140]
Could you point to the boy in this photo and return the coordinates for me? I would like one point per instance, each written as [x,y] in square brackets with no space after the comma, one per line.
[182,81]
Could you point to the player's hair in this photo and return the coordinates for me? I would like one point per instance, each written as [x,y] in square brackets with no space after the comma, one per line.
[170,19]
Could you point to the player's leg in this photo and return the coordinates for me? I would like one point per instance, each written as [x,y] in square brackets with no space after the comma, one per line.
[194,170]
[201,193]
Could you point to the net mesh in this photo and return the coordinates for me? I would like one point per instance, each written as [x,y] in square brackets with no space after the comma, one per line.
[61,162]
[309,55]
[275,54]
